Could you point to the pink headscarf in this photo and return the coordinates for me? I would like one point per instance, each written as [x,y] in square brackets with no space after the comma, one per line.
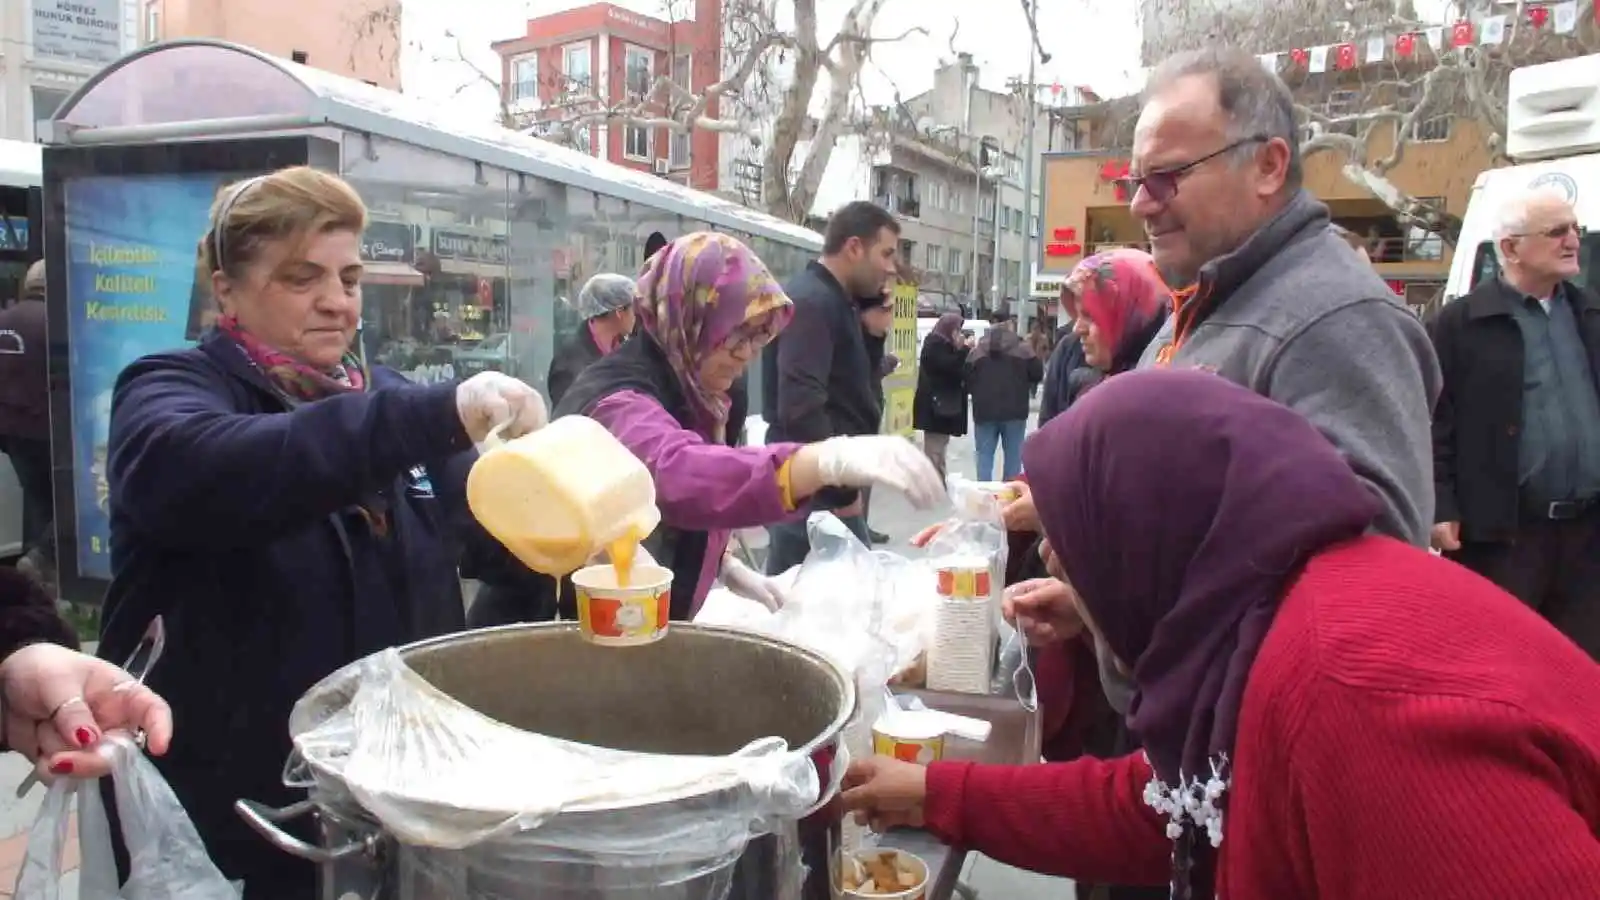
[1120,291]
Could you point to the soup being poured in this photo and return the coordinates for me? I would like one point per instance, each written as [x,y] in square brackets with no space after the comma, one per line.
[623,550]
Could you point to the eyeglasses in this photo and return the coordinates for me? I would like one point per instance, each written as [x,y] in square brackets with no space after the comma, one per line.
[1556,232]
[1162,186]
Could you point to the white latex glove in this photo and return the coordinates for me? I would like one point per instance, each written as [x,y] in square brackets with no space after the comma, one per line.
[750,584]
[880,459]
[490,399]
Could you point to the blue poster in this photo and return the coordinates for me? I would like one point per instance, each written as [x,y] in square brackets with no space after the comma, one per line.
[133,288]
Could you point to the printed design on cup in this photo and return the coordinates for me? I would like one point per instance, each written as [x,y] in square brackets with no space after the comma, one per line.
[618,616]
[964,582]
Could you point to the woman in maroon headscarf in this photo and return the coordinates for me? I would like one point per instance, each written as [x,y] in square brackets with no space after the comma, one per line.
[1325,713]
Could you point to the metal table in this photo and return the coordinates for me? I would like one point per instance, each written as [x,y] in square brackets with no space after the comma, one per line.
[1014,741]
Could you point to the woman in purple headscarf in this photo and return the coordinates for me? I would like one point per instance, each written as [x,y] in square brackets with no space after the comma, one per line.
[706,306]
[1325,713]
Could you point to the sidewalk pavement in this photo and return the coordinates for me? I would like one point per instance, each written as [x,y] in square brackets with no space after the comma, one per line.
[16,817]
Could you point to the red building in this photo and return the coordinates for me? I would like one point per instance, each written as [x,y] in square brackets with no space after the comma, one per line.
[601,57]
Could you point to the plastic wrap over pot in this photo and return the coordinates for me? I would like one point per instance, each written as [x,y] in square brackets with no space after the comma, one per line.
[436,773]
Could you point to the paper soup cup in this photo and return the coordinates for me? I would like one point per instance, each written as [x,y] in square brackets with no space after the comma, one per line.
[914,865]
[964,579]
[908,740]
[623,616]
[1000,490]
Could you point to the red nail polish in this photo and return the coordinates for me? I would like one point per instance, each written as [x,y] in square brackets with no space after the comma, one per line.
[85,737]
[63,767]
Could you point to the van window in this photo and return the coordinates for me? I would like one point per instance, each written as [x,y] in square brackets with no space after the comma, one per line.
[1486,265]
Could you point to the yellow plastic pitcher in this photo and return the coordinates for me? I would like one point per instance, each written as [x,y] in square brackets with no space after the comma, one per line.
[560,495]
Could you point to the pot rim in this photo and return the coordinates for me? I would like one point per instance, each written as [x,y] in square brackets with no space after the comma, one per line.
[831,735]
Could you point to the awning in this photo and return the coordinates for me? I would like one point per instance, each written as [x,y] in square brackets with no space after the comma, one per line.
[391,273]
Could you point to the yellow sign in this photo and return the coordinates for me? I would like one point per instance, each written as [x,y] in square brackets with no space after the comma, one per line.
[900,389]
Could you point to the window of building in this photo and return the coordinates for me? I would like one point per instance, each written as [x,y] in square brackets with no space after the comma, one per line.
[636,143]
[525,78]
[639,71]
[45,104]
[935,258]
[582,139]
[678,150]
[1430,124]
[300,56]
[152,21]
[957,260]
[576,70]
[683,71]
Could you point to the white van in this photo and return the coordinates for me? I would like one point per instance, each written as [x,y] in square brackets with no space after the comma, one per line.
[1553,133]
[21,174]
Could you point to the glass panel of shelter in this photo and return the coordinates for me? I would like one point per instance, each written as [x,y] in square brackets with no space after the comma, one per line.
[437,299]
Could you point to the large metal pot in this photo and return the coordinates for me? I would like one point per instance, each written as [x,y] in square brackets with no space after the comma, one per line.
[699,691]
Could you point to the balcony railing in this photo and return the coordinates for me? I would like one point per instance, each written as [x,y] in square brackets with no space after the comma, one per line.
[905,206]
[1403,250]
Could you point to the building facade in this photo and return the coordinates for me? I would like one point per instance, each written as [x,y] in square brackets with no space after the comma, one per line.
[50,47]
[570,68]
[358,39]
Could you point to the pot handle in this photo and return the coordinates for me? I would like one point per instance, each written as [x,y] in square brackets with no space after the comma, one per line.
[264,820]
[836,770]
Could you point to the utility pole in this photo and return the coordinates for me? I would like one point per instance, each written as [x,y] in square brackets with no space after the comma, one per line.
[995,288]
[977,219]
[1030,240]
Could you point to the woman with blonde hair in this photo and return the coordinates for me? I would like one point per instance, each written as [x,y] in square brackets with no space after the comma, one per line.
[281,506]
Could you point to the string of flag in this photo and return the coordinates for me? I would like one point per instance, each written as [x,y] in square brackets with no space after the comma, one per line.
[1561,18]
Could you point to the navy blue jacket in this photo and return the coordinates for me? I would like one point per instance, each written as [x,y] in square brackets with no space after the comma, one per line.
[236,519]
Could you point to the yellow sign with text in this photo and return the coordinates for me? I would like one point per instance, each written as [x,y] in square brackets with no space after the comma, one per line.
[900,389]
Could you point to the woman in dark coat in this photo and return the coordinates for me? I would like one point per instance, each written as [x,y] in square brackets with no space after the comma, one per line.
[939,409]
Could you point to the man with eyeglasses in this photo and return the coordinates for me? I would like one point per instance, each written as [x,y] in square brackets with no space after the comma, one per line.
[1271,296]
[1517,429]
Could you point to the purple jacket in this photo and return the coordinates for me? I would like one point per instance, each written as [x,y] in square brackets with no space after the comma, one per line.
[700,485]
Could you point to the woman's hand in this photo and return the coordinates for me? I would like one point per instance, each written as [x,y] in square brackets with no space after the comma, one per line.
[58,702]
[488,400]
[886,793]
[750,584]
[1020,514]
[1043,609]
[867,460]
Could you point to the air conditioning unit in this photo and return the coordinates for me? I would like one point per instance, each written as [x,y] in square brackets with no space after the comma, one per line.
[663,167]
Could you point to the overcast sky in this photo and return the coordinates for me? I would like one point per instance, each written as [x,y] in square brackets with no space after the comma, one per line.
[1093,42]
[992,32]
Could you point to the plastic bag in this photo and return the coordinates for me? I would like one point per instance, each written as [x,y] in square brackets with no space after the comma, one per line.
[437,773]
[167,860]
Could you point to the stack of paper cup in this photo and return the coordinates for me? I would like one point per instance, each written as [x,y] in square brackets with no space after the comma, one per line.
[858,741]
[962,656]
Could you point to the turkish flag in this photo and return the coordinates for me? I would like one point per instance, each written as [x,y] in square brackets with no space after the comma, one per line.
[1345,56]
[1299,56]
[1405,44]
[1537,16]
[1461,34]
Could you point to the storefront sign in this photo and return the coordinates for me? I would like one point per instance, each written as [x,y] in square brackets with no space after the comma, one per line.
[77,31]
[394,242]
[1048,287]
[131,290]
[466,247]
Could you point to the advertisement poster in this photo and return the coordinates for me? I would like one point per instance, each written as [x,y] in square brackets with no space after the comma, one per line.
[87,32]
[901,387]
[133,288]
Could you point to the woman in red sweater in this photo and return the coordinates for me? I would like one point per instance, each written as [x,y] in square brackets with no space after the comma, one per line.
[1325,713]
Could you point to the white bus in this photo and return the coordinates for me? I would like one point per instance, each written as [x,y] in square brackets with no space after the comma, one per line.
[20,244]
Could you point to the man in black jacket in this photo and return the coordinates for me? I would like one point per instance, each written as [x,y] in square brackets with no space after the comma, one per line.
[817,380]
[1516,431]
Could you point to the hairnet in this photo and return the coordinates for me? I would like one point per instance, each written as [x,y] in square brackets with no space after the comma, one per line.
[604,293]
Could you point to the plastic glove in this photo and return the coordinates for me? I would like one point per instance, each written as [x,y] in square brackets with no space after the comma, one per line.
[750,584]
[491,399]
[858,462]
